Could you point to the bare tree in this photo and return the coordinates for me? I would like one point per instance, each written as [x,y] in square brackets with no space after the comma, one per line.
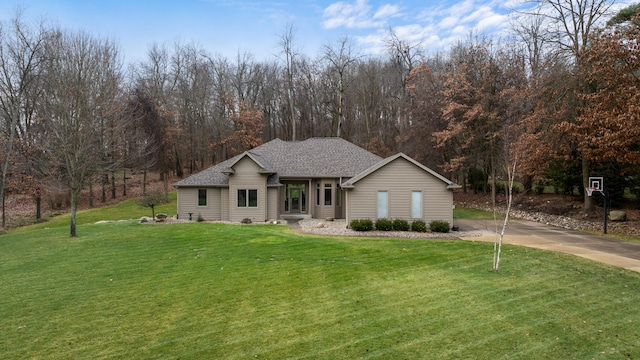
[341,57]
[21,55]
[81,88]
[404,56]
[290,55]
[571,22]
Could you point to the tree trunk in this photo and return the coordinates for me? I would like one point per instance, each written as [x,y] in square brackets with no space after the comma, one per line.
[113,184]
[91,194]
[493,182]
[166,188]
[74,209]
[3,216]
[588,201]
[105,180]
[38,207]
[144,182]
[124,182]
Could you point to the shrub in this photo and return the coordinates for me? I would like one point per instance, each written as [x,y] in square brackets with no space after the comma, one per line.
[151,201]
[419,226]
[200,218]
[361,225]
[440,226]
[400,225]
[246,221]
[500,187]
[384,224]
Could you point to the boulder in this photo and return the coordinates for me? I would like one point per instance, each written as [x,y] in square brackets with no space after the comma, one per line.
[617,215]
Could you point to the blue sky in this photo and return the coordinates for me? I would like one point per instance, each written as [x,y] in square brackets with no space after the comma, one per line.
[226,27]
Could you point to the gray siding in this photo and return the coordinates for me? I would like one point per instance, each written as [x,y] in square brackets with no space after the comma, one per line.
[399,178]
[224,203]
[246,176]
[188,203]
[272,203]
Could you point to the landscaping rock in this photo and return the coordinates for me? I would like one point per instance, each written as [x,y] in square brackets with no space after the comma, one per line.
[145,219]
[617,215]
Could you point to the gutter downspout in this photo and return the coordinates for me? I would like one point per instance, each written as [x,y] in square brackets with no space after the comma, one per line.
[309,203]
[346,208]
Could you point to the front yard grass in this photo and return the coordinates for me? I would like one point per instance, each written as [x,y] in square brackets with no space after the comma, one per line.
[205,291]
[471,213]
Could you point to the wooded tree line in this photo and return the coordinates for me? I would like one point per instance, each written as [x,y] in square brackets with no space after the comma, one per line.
[561,96]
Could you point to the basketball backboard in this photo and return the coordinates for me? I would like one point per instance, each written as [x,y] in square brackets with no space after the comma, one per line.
[596,183]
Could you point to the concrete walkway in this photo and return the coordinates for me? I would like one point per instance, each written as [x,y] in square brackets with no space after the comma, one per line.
[541,236]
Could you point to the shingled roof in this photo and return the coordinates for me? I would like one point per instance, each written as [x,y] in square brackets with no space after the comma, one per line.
[311,158]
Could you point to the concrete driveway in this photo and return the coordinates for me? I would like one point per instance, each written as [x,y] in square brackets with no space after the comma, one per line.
[541,236]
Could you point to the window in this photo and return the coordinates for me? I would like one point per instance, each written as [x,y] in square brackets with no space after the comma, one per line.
[318,194]
[202,197]
[383,203]
[247,198]
[416,204]
[327,194]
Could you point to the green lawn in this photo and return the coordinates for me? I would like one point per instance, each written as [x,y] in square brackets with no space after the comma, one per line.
[124,210]
[471,213]
[214,291]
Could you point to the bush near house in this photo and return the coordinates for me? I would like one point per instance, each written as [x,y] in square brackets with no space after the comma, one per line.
[439,226]
[401,225]
[419,226]
[361,225]
[384,224]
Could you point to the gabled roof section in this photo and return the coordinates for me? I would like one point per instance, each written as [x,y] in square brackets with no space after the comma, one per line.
[312,158]
[351,182]
[254,158]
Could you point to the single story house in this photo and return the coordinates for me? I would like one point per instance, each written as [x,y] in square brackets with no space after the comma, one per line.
[315,178]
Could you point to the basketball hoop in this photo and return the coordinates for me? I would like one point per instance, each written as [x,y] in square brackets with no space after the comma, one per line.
[596,183]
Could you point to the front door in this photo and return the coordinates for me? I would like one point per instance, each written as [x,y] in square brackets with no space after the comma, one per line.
[295,202]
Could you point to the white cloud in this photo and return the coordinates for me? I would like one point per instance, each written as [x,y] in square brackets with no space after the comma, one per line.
[386,11]
[349,15]
[357,14]
[493,21]
[448,22]
[437,27]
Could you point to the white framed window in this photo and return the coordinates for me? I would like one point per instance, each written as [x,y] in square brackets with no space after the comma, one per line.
[416,204]
[383,204]
[327,194]
[247,198]
[202,197]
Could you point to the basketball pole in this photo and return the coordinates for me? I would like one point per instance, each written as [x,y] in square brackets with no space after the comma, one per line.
[596,183]
[606,207]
